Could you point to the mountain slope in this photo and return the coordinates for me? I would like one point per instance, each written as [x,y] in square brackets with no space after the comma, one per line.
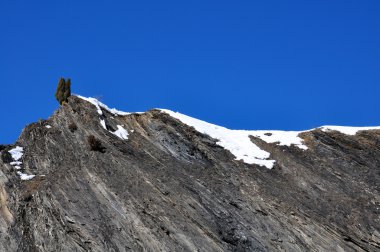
[155,183]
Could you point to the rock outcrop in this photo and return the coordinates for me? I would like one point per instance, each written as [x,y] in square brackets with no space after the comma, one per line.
[153,183]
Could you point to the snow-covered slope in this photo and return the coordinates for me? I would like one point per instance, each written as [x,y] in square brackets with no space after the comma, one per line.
[238,142]
[99,105]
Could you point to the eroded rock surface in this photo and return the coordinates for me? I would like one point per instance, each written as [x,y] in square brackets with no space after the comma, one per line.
[168,187]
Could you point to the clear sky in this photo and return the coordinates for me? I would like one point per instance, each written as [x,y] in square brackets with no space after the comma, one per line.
[288,65]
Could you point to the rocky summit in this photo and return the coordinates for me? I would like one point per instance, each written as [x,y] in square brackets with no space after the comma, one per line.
[91,178]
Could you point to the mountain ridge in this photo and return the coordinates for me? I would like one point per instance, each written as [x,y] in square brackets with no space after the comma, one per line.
[165,186]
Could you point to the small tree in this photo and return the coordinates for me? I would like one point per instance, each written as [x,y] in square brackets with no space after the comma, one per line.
[67,92]
[63,90]
[58,92]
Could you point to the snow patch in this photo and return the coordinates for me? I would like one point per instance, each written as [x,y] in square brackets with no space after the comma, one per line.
[94,102]
[280,137]
[347,130]
[100,105]
[236,141]
[24,176]
[17,153]
[121,132]
[48,126]
[15,163]
[103,123]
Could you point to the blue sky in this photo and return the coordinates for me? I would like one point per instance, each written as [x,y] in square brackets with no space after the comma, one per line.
[288,65]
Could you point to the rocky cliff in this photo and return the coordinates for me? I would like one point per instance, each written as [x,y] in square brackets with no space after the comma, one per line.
[93,179]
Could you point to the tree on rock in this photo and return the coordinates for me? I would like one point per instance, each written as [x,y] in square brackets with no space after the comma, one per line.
[67,92]
[63,90]
[58,92]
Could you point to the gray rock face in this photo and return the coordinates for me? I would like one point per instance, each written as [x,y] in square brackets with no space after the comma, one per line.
[170,188]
